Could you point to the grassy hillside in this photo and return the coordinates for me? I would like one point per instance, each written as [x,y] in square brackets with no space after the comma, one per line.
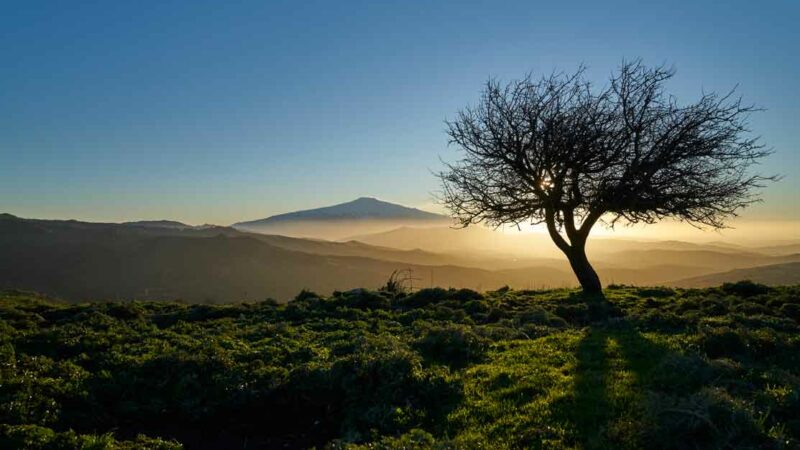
[655,368]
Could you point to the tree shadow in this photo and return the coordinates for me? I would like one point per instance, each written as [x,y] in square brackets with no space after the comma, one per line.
[613,361]
[590,409]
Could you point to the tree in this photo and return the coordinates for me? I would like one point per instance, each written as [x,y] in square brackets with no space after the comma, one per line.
[559,151]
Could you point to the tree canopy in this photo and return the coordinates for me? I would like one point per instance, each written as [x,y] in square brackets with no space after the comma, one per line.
[560,151]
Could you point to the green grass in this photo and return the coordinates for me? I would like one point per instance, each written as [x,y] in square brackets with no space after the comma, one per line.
[638,368]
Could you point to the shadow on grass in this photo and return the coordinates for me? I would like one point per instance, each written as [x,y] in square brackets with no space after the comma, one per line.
[613,361]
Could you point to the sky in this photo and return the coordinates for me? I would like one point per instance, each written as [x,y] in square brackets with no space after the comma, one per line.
[217,112]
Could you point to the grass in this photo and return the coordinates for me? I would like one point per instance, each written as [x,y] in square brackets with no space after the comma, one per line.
[573,389]
[654,368]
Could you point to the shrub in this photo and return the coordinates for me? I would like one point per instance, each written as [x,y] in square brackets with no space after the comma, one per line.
[383,390]
[496,314]
[499,332]
[574,314]
[305,294]
[540,316]
[707,419]
[415,439]
[363,299]
[723,341]
[269,303]
[713,307]
[658,292]
[423,297]
[476,307]
[124,311]
[660,320]
[791,310]
[745,288]
[679,374]
[455,345]
[764,343]
[465,295]
[35,437]
[750,308]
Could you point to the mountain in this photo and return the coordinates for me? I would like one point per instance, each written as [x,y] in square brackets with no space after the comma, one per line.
[359,209]
[158,224]
[164,260]
[773,274]
[81,260]
[363,215]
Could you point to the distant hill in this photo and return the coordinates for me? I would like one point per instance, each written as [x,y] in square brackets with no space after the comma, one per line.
[785,249]
[707,259]
[81,260]
[168,260]
[472,240]
[773,275]
[614,251]
[361,208]
[363,215]
[158,224]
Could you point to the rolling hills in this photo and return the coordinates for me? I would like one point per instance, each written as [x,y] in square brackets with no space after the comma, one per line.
[771,274]
[78,260]
[168,260]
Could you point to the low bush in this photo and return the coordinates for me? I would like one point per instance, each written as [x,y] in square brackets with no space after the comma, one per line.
[34,437]
[791,310]
[708,419]
[455,345]
[364,299]
[745,288]
[722,342]
[678,374]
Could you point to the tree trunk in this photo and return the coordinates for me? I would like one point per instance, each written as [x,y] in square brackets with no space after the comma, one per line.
[588,278]
[576,248]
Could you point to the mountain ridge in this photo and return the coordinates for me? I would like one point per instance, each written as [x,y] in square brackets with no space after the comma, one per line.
[83,260]
[359,209]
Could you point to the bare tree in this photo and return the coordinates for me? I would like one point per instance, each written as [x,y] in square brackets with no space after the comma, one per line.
[559,151]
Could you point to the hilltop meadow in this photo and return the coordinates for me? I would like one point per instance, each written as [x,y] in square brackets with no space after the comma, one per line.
[636,367]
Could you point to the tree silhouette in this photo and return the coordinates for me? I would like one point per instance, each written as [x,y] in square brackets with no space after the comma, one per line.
[559,151]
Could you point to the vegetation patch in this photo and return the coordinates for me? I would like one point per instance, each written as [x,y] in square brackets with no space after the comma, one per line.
[655,368]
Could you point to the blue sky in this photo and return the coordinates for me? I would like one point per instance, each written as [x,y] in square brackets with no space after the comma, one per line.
[225,111]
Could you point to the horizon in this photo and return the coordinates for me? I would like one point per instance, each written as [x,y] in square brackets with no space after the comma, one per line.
[142,125]
[739,232]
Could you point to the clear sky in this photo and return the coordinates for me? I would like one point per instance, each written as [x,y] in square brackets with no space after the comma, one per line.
[225,111]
